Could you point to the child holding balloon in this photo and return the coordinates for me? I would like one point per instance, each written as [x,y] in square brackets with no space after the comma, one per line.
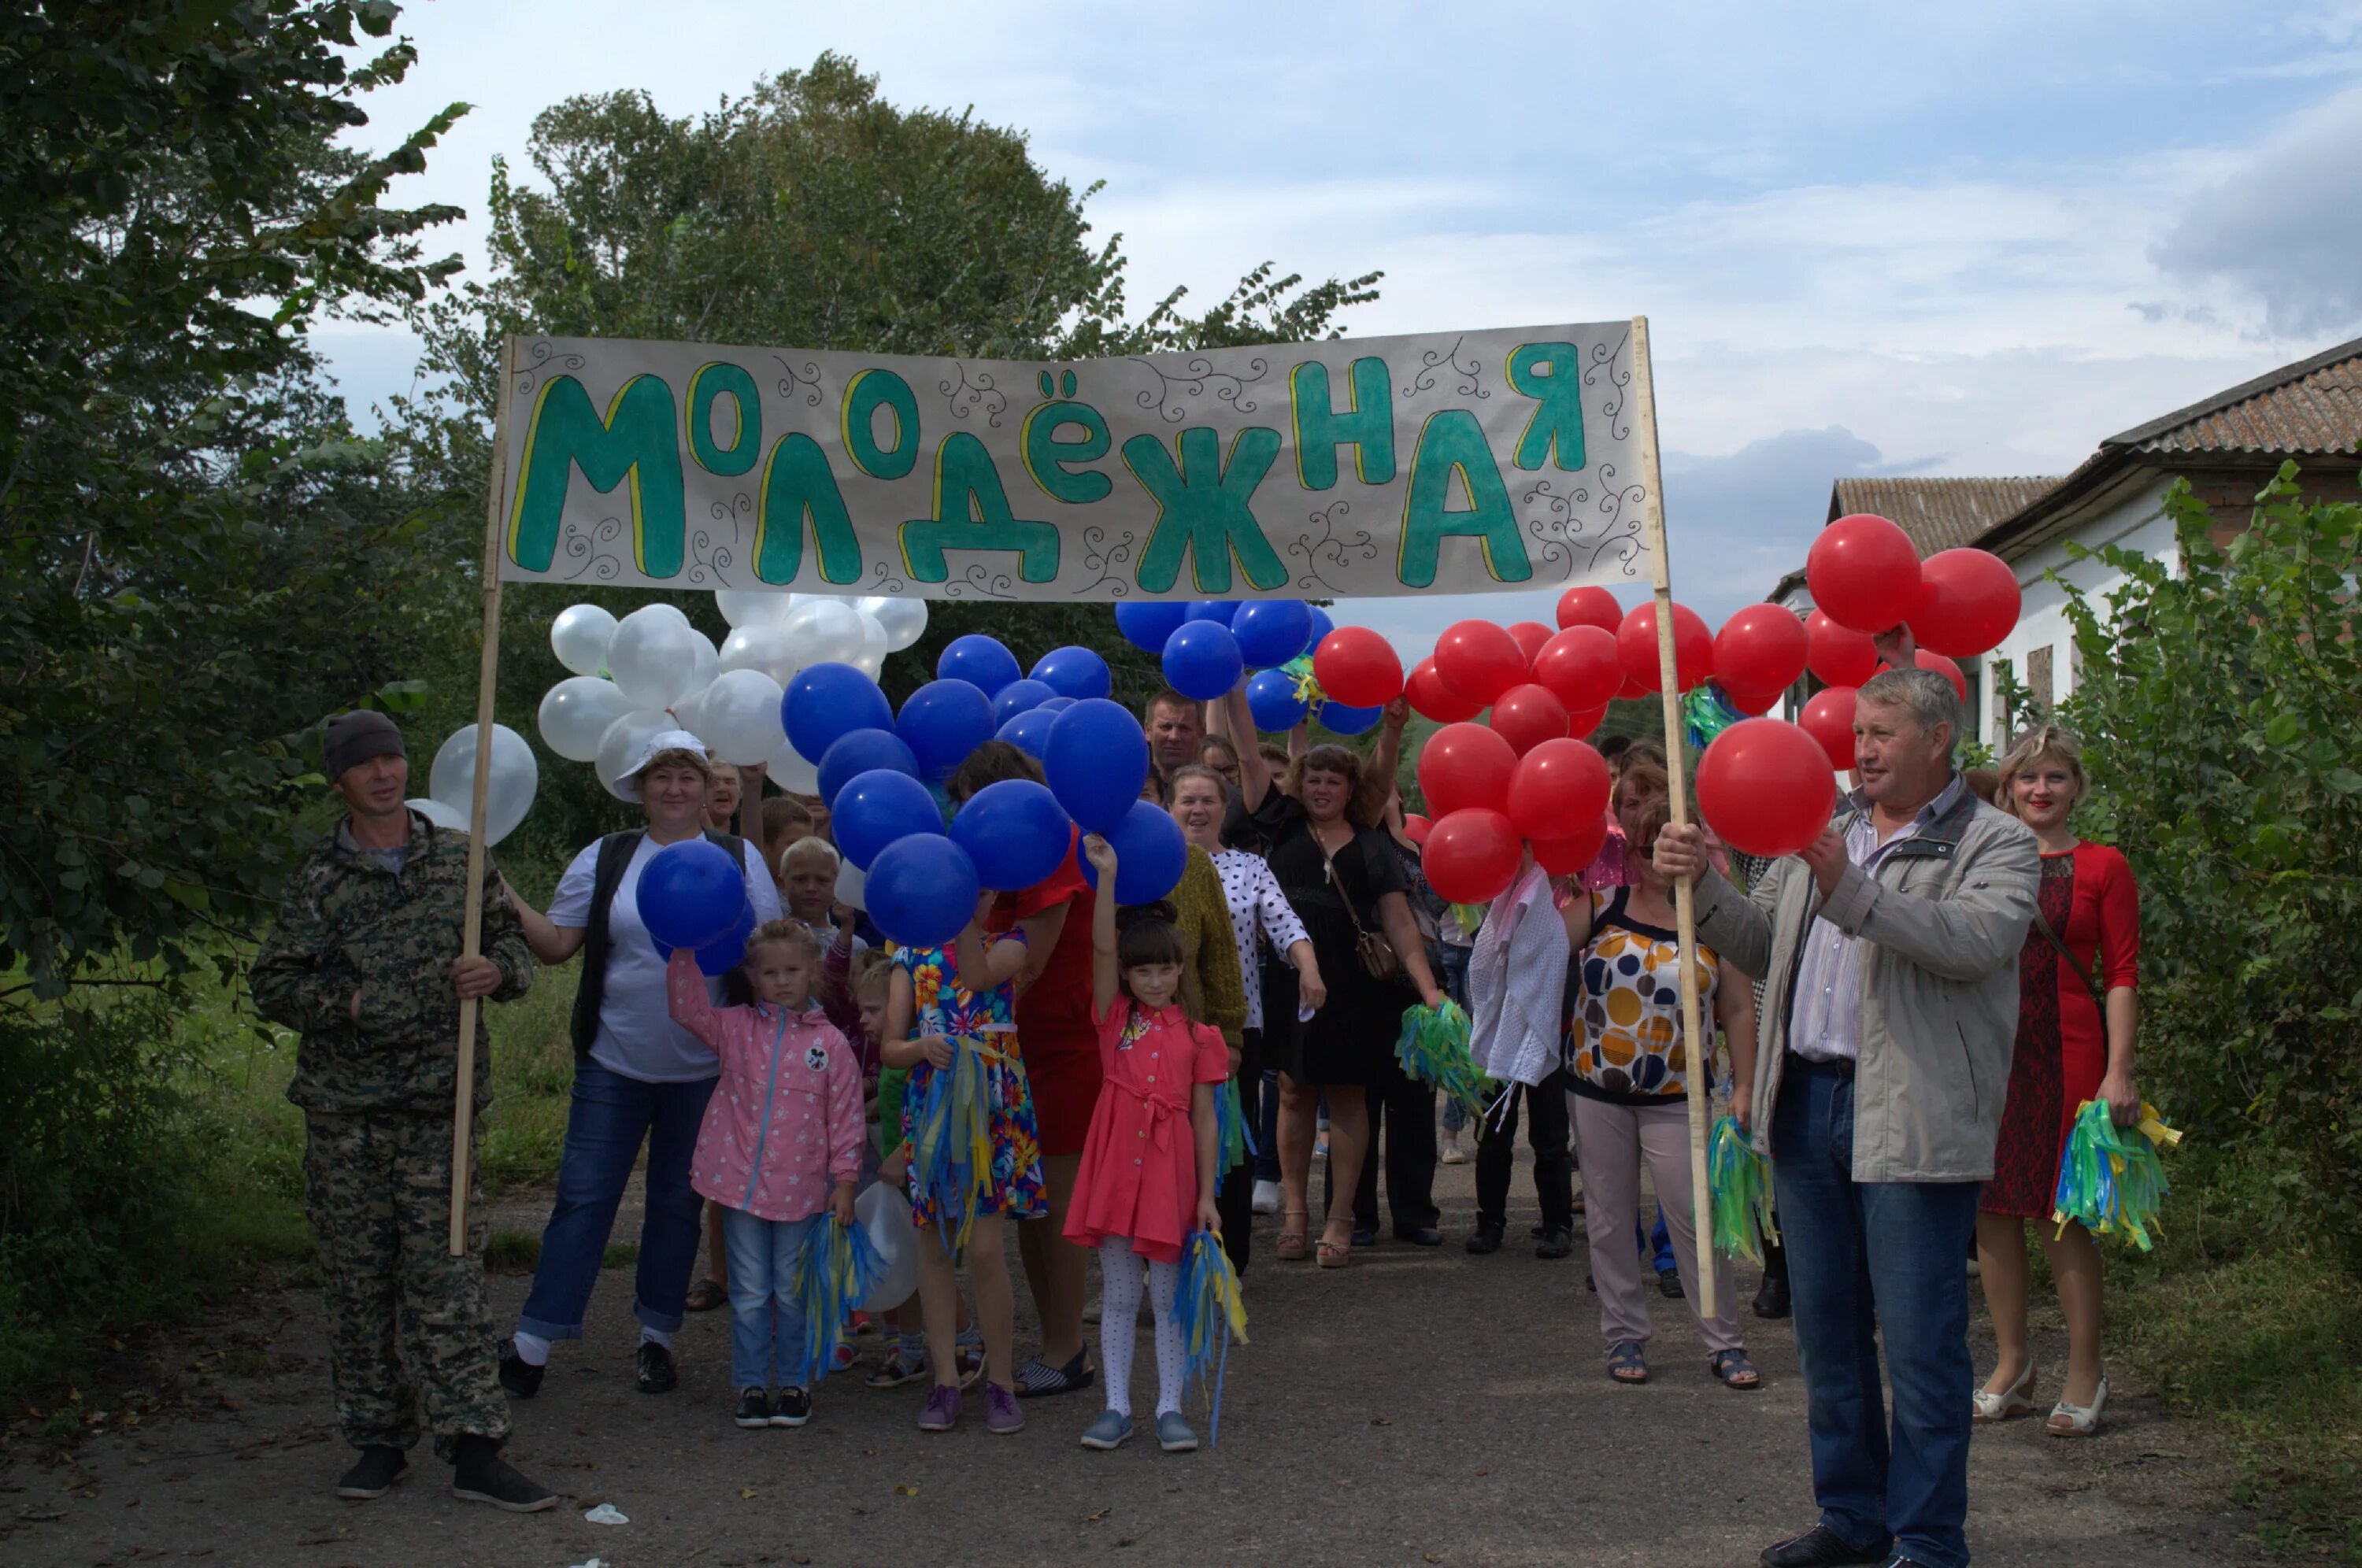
[784,1123]
[1144,1183]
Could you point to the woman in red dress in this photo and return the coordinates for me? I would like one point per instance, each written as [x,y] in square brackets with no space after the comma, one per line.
[2077,1010]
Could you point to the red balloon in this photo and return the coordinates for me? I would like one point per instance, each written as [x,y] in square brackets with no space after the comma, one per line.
[1565,857]
[1479,660]
[1631,690]
[1589,607]
[1558,787]
[1581,726]
[1864,571]
[1968,602]
[1527,715]
[1530,635]
[1828,719]
[1464,767]
[1416,828]
[1636,647]
[1472,855]
[1760,648]
[1765,786]
[1752,702]
[1580,665]
[1838,655]
[1433,697]
[1942,666]
[1357,666]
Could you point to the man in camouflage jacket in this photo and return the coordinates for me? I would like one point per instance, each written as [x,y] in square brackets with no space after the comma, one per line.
[365,962]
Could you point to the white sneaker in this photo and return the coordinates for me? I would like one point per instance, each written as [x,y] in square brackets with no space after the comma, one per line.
[1266,1198]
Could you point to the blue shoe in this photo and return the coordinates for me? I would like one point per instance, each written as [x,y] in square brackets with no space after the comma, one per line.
[1173,1434]
[1110,1431]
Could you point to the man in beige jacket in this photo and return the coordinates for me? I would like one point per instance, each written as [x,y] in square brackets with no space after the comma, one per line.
[1890,953]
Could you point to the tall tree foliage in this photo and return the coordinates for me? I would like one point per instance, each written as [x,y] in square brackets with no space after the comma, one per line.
[199,558]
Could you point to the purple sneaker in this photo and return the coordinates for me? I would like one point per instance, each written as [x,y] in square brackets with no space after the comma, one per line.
[943,1411]
[1002,1415]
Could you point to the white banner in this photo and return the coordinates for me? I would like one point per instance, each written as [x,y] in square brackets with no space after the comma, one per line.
[1450,463]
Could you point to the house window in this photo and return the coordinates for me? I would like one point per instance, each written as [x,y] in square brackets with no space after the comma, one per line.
[2037,678]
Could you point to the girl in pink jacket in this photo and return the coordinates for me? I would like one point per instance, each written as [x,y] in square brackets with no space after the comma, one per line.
[782,1144]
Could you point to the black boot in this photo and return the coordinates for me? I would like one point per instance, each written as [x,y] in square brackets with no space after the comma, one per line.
[518,1376]
[373,1473]
[1771,1295]
[1486,1238]
[1558,1242]
[480,1475]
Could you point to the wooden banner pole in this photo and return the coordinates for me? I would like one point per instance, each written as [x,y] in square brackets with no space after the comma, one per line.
[463,1089]
[1700,1060]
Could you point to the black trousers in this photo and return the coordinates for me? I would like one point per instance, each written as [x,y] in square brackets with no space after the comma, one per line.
[1402,1118]
[1235,1197]
[1550,1133]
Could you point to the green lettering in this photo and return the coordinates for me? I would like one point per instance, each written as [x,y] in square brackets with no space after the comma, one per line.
[800,492]
[719,379]
[1452,443]
[978,518]
[1552,374]
[637,440]
[1367,425]
[1047,457]
[1202,508]
[865,394]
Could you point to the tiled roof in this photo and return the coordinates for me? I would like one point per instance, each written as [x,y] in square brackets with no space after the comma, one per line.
[1938,514]
[2312,406]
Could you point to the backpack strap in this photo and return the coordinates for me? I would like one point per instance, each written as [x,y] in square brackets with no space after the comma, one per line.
[615,852]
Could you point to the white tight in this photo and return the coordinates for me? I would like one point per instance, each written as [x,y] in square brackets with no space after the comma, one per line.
[1120,1272]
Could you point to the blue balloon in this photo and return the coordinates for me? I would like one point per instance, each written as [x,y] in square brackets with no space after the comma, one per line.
[1272,631]
[1272,698]
[861,752]
[1055,705]
[1020,696]
[1321,626]
[829,701]
[690,893]
[981,661]
[1096,760]
[1029,731]
[1340,720]
[1015,832]
[725,952]
[922,890]
[874,809]
[1075,672]
[1146,626]
[1218,610]
[1202,660]
[942,722]
[1150,855]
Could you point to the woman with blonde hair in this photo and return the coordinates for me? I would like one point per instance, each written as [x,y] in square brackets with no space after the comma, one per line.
[2075,1030]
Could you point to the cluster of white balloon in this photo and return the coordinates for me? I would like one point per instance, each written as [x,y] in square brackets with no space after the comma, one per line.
[652,670]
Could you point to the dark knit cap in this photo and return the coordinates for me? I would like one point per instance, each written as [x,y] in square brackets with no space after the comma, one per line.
[357,736]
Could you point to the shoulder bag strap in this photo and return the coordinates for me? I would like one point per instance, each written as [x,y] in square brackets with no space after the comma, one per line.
[2074,965]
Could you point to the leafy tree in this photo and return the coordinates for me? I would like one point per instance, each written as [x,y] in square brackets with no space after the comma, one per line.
[2218,709]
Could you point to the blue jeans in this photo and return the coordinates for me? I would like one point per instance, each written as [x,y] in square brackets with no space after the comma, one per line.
[1862,1256]
[767,1313]
[1452,974]
[605,1123]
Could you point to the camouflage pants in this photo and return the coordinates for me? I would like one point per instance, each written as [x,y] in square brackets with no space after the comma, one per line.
[408,1327]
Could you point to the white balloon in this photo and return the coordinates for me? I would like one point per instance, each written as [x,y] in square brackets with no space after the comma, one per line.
[852,886]
[741,607]
[885,1215]
[791,772]
[905,620]
[826,630]
[705,663]
[577,711]
[667,609]
[619,747]
[653,657]
[738,717]
[441,815]
[871,661]
[579,638]
[515,777]
[764,646]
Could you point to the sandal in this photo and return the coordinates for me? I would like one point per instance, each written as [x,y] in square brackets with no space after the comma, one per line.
[1735,1370]
[1624,1363]
[1294,1247]
[2017,1399]
[2078,1420]
[1332,1255]
[706,1295]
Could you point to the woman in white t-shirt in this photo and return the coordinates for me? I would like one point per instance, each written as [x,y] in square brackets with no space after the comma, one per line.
[638,1077]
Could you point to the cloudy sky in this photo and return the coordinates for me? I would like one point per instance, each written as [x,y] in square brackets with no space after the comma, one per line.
[1870,238]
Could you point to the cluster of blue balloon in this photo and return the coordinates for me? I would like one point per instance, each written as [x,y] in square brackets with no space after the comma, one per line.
[1207,646]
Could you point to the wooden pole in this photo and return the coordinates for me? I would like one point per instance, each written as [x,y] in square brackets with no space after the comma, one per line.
[1701,1064]
[463,1089]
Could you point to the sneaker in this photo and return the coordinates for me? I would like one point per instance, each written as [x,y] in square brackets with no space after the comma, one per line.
[373,1473]
[905,1361]
[1173,1434]
[1002,1415]
[1556,1242]
[1669,1284]
[1451,1155]
[1110,1431]
[482,1477]
[1483,1239]
[1266,1198]
[794,1409]
[519,1376]
[754,1407]
[654,1372]
[941,1412]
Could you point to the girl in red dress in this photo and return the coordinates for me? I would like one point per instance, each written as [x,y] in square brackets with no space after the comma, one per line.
[2077,1010]
[1150,1157]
